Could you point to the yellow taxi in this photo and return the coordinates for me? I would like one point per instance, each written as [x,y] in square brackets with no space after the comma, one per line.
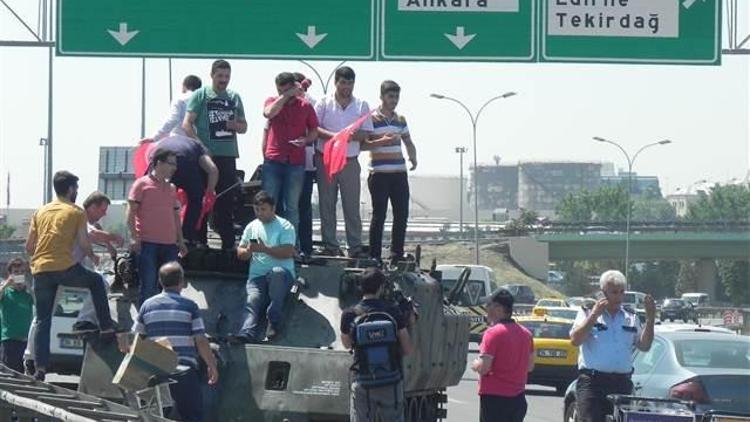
[555,357]
[551,301]
[563,312]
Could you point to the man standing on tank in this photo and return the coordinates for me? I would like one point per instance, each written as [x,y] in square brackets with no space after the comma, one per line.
[215,116]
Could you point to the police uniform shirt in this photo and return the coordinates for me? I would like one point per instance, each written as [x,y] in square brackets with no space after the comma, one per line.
[611,342]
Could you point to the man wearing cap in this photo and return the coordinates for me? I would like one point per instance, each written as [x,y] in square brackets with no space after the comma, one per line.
[608,335]
[506,356]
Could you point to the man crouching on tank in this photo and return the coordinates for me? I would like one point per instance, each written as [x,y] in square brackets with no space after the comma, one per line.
[376,331]
[268,242]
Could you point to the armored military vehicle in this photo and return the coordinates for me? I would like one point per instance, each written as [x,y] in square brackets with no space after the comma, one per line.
[303,374]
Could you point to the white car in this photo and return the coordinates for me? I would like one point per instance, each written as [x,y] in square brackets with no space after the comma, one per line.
[66,350]
[481,282]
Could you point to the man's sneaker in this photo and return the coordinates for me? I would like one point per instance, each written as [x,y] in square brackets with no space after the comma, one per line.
[359,254]
[332,252]
[39,375]
[239,339]
[29,368]
[271,333]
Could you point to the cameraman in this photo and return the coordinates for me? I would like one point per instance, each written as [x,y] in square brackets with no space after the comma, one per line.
[387,402]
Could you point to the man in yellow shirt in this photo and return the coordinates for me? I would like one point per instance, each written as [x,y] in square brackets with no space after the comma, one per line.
[54,230]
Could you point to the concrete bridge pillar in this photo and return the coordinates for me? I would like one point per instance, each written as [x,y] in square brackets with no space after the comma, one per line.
[708,276]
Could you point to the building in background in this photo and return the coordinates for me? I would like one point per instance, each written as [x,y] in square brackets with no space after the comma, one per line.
[116,173]
[542,185]
[645,186]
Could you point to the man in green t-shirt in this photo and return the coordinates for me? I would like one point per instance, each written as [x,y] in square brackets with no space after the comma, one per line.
[215,116]
[16,306]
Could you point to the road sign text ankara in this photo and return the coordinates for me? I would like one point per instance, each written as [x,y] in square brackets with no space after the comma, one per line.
[603,31]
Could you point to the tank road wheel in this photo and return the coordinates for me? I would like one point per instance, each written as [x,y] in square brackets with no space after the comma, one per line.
[427,408]
[412,414]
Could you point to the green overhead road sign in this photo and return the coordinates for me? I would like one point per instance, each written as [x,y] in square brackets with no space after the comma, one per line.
[631,31]
[458,30]
[268,29]
[604,31]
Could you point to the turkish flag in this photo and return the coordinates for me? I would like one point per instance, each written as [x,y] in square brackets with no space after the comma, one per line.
[334,152]
[141,158]
[209,200]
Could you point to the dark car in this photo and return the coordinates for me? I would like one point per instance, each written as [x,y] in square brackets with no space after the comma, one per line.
[673,309]
[521,293]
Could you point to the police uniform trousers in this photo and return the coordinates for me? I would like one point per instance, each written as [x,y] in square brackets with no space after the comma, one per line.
[592,389]
[377,404]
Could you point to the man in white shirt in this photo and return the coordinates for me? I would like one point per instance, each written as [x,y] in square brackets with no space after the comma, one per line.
[173,124]
[334,114]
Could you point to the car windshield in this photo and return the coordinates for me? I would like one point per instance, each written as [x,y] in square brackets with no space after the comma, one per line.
[550,302]
[563,313]
[473,291]
[70,303]
[544,329]
[714,353]
[674,302]
[629,298]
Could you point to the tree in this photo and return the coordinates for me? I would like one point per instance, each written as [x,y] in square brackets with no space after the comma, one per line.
[657,278]
[607,204]
[576,207]
[658,210]
[687,278]
[6,231]
[728,203]
[735,277]
[522,224]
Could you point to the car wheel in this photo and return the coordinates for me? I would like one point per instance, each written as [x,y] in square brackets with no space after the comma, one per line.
[571,413]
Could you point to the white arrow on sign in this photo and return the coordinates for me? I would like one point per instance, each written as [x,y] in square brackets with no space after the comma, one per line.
[123,36]
[460,39]
[689,3]
[311,39]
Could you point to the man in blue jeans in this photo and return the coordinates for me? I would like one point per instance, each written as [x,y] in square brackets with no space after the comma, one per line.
[268,242]
[292,124]
[154,221]
[53,231]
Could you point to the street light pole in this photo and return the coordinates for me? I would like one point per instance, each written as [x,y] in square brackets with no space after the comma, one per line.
[474,120]
[631,161]
[461,151]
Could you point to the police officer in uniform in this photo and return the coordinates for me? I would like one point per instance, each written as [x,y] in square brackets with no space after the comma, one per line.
[608,335]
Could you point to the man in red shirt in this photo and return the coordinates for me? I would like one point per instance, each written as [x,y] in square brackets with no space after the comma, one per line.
[292,124]
[506,356]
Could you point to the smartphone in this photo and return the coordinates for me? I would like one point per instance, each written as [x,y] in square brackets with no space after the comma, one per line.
[600,295]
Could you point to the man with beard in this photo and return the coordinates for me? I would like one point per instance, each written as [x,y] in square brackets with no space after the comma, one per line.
[54,230]
[215,116]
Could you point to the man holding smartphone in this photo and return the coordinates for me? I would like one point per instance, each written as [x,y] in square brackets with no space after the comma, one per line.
[608,335]
[292,125]
[268,243]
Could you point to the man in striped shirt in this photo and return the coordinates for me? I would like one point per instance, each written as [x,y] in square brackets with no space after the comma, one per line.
[388,179]
[177,318]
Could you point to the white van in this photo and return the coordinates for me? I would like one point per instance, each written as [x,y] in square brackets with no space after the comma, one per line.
[481,282]
[697,299]
[66,350]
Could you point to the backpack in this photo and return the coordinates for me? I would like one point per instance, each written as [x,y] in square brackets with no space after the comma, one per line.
[377,354]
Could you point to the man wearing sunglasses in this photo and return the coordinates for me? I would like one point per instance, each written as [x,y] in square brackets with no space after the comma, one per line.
[154,221]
